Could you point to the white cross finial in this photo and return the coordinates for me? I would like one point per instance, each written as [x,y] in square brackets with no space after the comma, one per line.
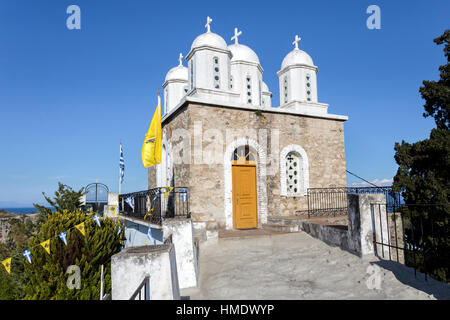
[180,59]
[296,41]
[208,23]
[236,35]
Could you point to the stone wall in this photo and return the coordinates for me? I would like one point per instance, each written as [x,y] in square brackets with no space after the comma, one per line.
[212,129]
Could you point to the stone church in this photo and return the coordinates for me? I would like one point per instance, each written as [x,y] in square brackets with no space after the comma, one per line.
[243,159]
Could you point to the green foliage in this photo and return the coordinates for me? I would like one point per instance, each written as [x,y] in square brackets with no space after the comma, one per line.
[65,199]
[423,175]
[437,93]
[47,278]
[11,285]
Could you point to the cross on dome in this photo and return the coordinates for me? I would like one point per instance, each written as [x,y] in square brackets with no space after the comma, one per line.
[296,41]
[180,59]
[208,23]
[236,35]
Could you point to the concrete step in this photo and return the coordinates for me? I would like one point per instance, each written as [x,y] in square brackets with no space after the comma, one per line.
[284,220]
[281,227]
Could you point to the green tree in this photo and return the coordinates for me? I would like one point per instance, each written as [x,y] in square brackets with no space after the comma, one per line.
[47,278]
[65,199]
[423,175]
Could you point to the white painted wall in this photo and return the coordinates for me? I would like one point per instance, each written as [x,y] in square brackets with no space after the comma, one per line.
[181,230]
[131,266]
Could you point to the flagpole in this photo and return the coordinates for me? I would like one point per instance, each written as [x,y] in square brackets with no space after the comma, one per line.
[120,170]
[120,185]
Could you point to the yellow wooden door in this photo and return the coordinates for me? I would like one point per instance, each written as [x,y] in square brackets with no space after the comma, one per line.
[244,197]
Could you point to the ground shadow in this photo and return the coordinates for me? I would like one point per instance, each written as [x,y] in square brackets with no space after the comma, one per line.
[405,275]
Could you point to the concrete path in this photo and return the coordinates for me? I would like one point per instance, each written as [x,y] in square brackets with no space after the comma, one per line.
[298,266]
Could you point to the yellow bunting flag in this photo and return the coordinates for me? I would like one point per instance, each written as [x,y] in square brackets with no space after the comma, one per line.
[46,245]
[7,264]
[112,209]
[167,192]
[149,213]
[80,227]
[151,150]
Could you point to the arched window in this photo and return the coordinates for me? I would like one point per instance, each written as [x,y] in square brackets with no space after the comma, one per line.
[249,89]
[293,167]
[243,154]
[231,82]
[294,171]
[308,87]
[216,73]
[285,86]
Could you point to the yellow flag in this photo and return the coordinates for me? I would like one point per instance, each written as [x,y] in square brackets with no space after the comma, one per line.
[167,192]
[80,227]
[46,245]
[151,150]
[7,264]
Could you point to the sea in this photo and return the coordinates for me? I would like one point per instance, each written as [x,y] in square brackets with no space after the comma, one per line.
[21,210]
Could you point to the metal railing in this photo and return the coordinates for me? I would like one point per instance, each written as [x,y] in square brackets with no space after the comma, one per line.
[143,290]
[156,204]
[415,235]
[333,201]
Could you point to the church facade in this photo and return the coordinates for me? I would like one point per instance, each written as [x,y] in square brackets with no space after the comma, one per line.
[243,159]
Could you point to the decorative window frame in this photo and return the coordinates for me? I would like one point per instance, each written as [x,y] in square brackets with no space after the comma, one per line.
[304,170]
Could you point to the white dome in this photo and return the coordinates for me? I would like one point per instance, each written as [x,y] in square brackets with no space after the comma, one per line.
[265,88]
[296,56]
[243,53]
[177,73]
[209,39]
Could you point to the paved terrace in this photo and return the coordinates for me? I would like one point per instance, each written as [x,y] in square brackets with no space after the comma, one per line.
[263,264]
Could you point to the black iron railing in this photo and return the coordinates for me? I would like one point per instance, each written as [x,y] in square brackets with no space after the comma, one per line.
[333,201]
[143,290]
[415,235]
[154,205]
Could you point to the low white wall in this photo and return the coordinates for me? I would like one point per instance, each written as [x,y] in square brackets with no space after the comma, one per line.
[182,238]
[363,222]
[131,266]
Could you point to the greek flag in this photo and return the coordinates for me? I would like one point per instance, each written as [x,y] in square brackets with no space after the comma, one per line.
[27,255]
[149,233]
[121,164]
[63,237]
[97,219]
[130,201]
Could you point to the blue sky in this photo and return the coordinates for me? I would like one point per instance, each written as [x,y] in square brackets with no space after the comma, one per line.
[68,97]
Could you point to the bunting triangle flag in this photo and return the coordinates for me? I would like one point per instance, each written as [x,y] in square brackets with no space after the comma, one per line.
[46,245]
[63,237]
[149,234]
[7,264]
[80,228]
[97,219]
[167,192]
[27,255]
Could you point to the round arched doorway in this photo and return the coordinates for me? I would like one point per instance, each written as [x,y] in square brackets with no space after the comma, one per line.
[244,189]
